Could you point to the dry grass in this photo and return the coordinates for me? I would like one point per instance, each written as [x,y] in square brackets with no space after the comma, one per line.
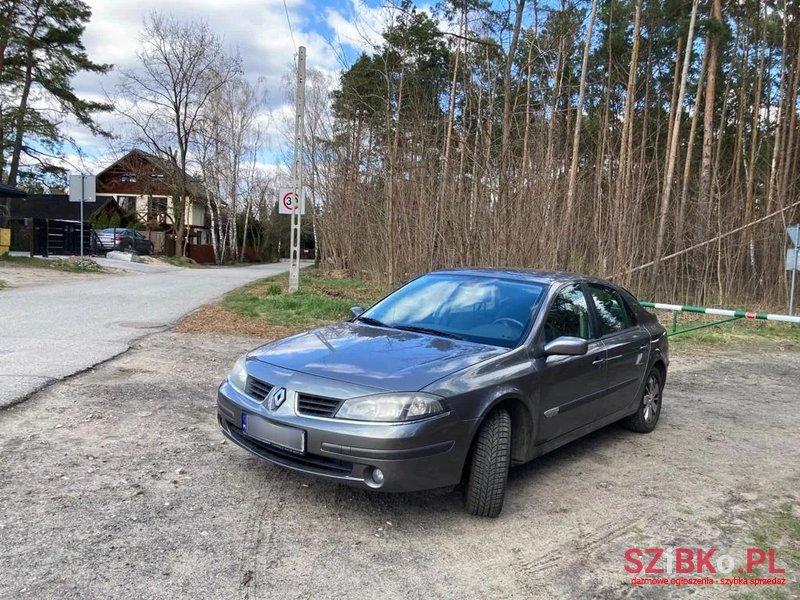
[213,318]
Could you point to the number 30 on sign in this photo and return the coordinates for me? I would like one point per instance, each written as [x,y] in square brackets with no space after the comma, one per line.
[287,202]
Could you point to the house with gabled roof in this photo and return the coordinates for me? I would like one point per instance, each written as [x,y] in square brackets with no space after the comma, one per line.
[144,184]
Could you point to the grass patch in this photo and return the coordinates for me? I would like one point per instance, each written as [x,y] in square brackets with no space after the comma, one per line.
[777,528]
[267,308]
[70,265]
[3,284]
[780,529]
[737,333]
[321,299]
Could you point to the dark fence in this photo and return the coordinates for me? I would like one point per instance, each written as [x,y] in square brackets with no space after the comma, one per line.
[60,237]
[204,253]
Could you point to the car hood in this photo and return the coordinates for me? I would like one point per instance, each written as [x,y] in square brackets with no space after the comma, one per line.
[382,358]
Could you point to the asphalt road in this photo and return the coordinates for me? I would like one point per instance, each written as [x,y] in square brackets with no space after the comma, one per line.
[52,331]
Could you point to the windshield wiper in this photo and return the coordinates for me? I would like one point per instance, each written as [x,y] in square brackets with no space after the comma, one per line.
[371,321]
[429,331]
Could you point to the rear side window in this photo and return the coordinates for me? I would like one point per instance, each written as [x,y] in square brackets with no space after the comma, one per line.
[612,314]
[568,316]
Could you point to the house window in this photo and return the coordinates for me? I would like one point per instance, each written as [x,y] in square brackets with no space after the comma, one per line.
[157,204]
[128,178]
[127,203]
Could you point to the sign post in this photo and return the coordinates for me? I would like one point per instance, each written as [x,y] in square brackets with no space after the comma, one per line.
[82,188]
[793,261]
[297,171]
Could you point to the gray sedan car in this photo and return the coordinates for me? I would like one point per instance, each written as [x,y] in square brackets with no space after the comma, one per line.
[454,377]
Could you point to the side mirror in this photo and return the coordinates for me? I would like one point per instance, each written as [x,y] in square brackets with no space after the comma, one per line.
[567,346]
[356,311]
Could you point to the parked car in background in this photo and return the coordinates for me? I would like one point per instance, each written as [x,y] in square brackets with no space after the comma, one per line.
[123,239]
[456,376]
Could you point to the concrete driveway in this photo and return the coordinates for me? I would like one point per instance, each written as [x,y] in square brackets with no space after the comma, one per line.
[53,331]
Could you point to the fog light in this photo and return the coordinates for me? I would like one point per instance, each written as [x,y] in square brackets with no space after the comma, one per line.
[377,477]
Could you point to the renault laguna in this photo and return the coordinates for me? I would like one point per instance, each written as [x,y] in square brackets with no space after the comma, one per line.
[452,378]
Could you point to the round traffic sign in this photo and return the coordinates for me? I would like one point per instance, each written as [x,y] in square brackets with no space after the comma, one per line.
[290,201]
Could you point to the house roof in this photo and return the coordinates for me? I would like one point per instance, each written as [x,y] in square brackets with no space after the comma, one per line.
[7,191]
[142,173]
[55,206]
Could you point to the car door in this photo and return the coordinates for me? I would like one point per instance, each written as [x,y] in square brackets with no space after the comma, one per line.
[627,344]
[569,385]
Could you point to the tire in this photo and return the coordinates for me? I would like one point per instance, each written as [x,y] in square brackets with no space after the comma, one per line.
[645,419]
[488,470]
[151,249]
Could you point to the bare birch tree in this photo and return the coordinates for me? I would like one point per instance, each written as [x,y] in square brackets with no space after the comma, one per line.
[181,65]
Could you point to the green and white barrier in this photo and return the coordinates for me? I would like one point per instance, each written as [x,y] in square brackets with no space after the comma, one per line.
[721,312]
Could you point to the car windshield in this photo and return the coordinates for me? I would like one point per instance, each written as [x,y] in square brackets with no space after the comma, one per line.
[484,310]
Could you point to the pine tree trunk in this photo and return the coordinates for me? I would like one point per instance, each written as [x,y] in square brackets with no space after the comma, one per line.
[673,149]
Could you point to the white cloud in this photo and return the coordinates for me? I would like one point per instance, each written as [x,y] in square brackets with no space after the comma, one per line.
[359,25]
[333,31]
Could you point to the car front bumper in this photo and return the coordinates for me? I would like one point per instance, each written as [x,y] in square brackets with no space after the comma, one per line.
[420,455]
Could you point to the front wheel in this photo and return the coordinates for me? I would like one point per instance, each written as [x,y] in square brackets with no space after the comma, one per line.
[645,419]
[488,470]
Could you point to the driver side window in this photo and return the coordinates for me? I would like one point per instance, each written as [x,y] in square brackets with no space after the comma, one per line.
[568,316]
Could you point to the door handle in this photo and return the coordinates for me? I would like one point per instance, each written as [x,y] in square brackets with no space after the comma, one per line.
[598,360]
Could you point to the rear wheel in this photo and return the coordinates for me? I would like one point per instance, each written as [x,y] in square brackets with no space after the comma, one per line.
[488,470]
[645,419]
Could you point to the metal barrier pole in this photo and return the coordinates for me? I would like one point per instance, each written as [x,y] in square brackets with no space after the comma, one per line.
[721,312]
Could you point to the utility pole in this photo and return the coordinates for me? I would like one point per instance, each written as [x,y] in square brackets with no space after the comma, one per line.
[297,170]
[83,198]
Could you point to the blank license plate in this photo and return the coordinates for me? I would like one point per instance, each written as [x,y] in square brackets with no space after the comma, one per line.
[278,435]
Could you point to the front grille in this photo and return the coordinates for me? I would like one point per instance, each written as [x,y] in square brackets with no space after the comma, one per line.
[257,388]
[316,406]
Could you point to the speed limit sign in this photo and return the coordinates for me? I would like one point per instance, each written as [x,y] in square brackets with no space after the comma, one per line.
[287,202]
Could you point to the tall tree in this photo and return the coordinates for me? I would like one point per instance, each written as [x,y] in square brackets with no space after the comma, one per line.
[576,134]
[672,152]
[41,51]
[181,65]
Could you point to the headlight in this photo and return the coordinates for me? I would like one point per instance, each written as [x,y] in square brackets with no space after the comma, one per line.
[391,408]
[238,375]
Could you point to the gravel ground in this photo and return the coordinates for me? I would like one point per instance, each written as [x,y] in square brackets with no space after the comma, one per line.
[116,483]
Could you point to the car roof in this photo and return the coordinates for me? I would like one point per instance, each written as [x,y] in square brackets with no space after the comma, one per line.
[536,275]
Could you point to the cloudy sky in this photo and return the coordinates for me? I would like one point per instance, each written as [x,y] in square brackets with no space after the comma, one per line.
[334,32]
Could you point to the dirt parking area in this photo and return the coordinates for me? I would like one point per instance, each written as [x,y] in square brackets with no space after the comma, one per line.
[117,484]
[25,276]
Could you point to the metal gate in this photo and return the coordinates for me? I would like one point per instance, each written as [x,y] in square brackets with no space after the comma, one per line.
[61,237]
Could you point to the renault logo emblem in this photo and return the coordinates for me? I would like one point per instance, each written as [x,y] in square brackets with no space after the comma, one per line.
[277,398]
